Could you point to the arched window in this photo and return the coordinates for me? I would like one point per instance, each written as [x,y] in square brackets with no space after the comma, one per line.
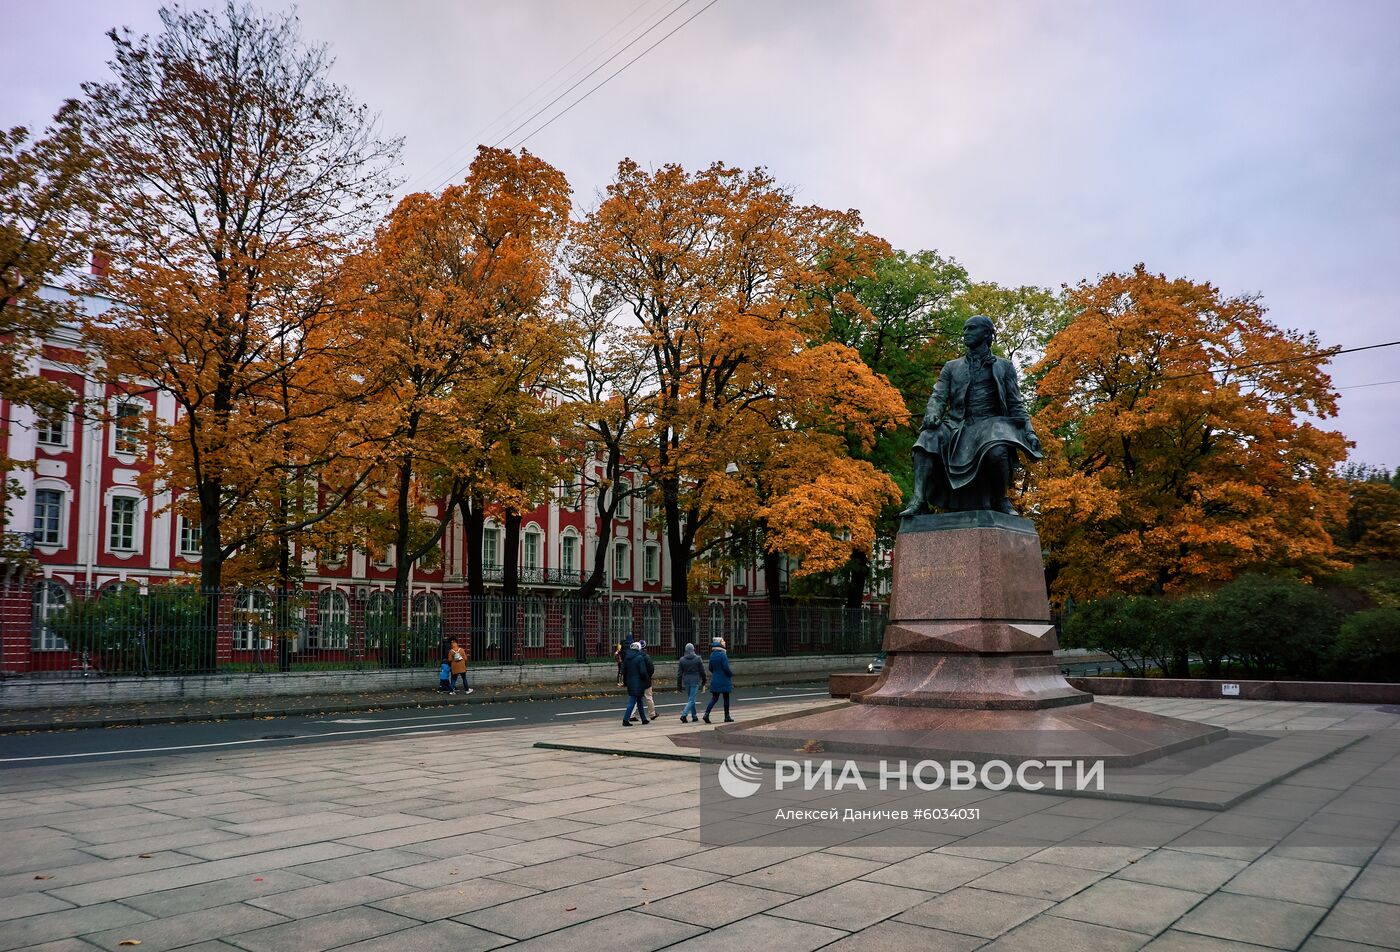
[571,615]
[622,621]
[569,555]
[716,620]
[530,549]
[651,623]
[379,619]
[252,620]
[741,624]
[426,617]
[534,623]
[333,614]
[50,598]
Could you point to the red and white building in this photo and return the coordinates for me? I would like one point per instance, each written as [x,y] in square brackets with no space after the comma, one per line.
[93,525]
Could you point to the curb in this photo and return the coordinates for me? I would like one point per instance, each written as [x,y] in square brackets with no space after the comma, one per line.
[346,708]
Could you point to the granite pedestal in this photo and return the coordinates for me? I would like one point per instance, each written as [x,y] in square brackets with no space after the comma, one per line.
[970,669]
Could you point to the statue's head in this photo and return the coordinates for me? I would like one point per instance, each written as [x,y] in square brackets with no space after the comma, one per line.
[978,332]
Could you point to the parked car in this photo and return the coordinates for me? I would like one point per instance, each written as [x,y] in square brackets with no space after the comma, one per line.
[877,665]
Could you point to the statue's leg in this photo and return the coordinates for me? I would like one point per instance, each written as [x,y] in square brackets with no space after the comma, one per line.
[923,469]
[999,479]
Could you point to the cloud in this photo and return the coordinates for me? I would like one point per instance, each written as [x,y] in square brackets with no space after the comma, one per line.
[1253,144]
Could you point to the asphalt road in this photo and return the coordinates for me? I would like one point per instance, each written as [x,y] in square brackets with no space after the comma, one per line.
[157,740]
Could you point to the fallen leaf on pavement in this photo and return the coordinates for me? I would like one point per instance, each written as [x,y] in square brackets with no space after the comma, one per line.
[144,856]
[43,877]
[571,908]
[129,942]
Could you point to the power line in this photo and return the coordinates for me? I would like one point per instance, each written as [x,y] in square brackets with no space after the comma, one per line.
[1327,352]
[616,74]
[426,176]
[531,118]
[1378,383]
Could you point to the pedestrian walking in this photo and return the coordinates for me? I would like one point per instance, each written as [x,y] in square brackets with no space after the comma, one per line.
[648,697]
[444,678]
[637,671]
[457,662]
[721,679]
[690,678]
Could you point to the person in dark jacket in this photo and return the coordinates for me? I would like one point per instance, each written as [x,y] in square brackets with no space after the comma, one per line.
[690,677]
[721,679]
[637,670]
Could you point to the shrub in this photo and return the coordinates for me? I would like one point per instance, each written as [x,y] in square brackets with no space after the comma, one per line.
[1368,646]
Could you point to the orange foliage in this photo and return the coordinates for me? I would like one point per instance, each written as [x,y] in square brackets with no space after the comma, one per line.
[1183,458]
[724,281]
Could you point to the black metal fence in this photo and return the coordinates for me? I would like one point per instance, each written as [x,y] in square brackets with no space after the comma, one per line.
[47,627]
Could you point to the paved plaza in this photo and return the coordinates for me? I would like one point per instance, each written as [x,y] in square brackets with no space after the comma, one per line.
[473,841]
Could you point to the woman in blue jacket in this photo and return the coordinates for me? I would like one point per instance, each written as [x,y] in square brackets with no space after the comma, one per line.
[721,679]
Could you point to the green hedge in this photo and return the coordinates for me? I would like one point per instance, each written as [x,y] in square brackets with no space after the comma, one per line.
[1254,627]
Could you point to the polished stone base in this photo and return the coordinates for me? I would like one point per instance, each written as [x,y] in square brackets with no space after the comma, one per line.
[1118,736]
[970,670]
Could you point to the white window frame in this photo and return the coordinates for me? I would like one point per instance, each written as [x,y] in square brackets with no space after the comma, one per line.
[495,622]
[52,532]
[741,624]
[378,606]
[534,622]
[531,549]
[651,622]
[568,608]
[251,605]
[490,549]
[569,550]
[424,607]
[185,532]
[716,620]
[622,621]
[385,560]
[137,522]
[624,499]
[115,439]
[651,562]
[622,560]
[332,609]
[50,597]
[53,427]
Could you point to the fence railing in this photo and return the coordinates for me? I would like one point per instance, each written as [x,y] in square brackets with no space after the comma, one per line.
[47,627]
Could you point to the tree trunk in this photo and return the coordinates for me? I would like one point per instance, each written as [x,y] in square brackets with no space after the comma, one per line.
[211,569]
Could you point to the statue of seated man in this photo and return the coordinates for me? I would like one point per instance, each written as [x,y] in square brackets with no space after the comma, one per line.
[974,425]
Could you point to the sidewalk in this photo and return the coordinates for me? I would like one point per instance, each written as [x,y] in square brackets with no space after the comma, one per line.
[481,840]
[131,714]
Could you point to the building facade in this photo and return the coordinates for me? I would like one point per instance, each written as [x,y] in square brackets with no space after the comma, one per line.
[94,523]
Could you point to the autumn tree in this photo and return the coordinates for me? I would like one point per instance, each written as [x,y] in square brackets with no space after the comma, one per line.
[237,178]
[1181,455]
[1370,529]
[457,334]
[720,275]
[46,201]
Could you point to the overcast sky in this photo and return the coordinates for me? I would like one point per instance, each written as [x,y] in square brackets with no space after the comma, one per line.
[1255,145]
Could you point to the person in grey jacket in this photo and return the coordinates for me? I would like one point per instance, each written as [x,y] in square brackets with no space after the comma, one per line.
[690,677]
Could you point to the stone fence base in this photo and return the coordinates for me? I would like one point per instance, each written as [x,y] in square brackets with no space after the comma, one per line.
[1346,692]
[30,693]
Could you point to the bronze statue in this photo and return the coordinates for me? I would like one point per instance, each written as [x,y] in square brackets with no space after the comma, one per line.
[974,424]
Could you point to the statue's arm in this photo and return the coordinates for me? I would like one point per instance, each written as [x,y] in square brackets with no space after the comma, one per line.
[938,400]
[1016,408]
[1015,403]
